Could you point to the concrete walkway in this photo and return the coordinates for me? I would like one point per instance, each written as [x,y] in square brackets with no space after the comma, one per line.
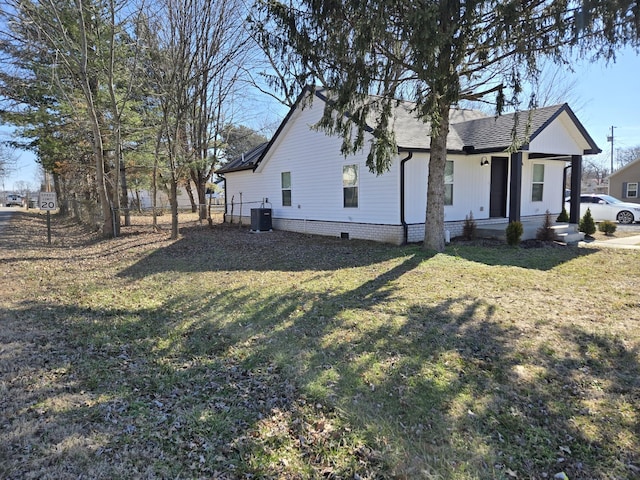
[632,242]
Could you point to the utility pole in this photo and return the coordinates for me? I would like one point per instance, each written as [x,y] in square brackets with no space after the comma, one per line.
[610,139]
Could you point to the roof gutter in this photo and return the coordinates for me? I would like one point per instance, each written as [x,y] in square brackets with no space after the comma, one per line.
[405,227]
[224,215]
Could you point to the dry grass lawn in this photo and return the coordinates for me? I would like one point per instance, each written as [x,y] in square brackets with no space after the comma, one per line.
[225,354]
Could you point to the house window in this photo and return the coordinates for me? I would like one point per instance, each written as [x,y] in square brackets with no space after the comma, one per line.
[285,180]
[632,190]
[537,186]
[350,185]
[448,182]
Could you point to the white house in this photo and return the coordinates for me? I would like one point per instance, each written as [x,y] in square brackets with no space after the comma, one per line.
[310,187]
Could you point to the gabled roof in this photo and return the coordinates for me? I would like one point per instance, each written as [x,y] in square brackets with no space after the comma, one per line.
[497,133]
[625,167]
[242,163]
[470,131]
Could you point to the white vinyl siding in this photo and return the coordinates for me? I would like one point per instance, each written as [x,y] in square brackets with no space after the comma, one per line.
[470,192]
[553,194]
[315,163]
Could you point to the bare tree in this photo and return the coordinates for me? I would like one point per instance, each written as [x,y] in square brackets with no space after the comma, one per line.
[198,48]
[595,169]
[7,163]
[67,35]
[627,155]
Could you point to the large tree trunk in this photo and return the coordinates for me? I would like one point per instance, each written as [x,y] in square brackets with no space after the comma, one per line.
[201,190]
[89,85]
[101,186]
[434,225]
[192,198]
[124,194]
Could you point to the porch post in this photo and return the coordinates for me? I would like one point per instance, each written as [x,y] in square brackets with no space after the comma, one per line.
[576,186]
[515,187]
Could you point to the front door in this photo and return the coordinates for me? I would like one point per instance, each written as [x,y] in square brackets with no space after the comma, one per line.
[498,195]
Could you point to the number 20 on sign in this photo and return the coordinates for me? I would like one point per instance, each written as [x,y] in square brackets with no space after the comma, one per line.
[48,201]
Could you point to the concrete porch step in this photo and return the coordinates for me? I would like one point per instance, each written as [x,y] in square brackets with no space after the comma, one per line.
[570,237]
[568,233]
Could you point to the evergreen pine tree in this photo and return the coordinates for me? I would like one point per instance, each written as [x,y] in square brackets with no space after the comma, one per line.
[563,217]
[514,233]
[470,227]
[546,232]
[587,225]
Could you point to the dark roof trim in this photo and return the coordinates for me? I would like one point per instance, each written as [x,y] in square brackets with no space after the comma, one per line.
[593,148]
[466,150]
[245,162]
[266,146]
[475,151]
[305,91]
[330,102]
[472,150]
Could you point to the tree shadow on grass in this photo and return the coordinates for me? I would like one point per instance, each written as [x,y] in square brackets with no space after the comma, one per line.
[227,248]
[305,382]
[543,258]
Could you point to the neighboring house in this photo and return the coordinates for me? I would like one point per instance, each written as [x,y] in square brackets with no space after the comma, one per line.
[624,183]
[144,199]
[311,187]
[215,193]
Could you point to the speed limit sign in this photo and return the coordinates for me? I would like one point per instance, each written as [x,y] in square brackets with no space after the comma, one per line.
[48,201]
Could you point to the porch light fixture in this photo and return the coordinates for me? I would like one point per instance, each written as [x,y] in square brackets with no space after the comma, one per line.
[484,161]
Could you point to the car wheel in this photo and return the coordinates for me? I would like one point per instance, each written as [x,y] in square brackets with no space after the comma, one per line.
[625,217]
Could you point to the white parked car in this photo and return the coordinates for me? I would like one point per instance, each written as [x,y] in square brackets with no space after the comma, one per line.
[606,207]
[14,200]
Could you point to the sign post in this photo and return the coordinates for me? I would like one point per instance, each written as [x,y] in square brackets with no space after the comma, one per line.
[48,202]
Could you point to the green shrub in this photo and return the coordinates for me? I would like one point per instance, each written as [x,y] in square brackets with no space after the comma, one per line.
[607,227]
[563,217]
[514,232]
[546,232]
[469,228]
[587,225]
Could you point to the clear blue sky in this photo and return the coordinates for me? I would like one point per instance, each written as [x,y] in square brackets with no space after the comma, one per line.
[603,96]
[609,95]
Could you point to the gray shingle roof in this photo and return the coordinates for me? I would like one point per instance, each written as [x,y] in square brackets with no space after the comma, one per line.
[469,131]
[473,131]
[412,133]
[499,132]
[246,161]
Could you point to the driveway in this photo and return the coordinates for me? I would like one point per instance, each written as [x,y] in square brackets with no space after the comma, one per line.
[5,214]
[630,240]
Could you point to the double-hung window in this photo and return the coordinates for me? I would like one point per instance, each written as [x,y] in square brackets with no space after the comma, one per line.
[537,184]
[448,182]
[285,180]
[350,186]
[632,190]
